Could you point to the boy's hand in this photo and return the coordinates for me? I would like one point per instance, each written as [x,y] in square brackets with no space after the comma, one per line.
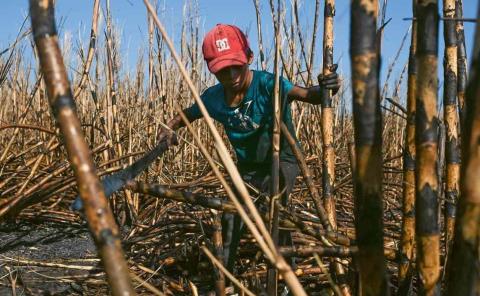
[330,81]
[169,136]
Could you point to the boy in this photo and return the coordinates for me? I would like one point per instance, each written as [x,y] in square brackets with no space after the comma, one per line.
[242,102]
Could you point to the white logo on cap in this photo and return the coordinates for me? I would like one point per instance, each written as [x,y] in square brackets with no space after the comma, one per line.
[222,44]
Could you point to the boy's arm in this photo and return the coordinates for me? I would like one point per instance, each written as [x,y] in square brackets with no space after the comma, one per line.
[176,122]
[314,94]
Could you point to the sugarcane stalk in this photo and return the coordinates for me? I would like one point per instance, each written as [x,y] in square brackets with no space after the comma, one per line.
[427,187]
[451,122]
[368,144]
[219,265]
[272,281]
[314,38]
[181,196]
[462,58]
[263,63]
[407,240]
[150,74]
[302,43]
[99,216]
[308,178]
[328,164]
[112,79]
[329,251]
[327,124]
[290,219]
[464,268]
[218,251]
[333,251]
[91,48]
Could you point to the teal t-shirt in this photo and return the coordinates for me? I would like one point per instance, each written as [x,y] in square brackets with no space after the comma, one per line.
[249,126]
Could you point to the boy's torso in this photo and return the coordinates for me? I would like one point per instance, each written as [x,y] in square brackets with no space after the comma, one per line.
[249,124]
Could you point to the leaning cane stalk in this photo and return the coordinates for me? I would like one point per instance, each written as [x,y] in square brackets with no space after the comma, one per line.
[464,271]
[219,265]
[308,179]
[450,118]
[261,233]
[99,216]
[407,240]
[290,220]
[302,43]
[91,48]
[426,204]
[368,143]
[314,34]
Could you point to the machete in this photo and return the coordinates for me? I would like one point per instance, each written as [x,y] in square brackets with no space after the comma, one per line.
[116,181]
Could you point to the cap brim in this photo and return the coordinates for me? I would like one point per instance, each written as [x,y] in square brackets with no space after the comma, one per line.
[231,59]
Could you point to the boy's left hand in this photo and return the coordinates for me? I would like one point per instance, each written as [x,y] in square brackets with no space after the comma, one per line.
[330,81]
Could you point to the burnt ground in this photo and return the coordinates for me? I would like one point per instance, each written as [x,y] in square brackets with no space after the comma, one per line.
[25,249]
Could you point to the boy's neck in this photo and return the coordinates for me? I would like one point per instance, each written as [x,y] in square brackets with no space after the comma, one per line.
[234,98]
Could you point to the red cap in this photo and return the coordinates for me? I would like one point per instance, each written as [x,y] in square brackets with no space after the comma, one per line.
[223,46]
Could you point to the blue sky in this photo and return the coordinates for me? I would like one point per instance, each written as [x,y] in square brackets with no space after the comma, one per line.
[130,15]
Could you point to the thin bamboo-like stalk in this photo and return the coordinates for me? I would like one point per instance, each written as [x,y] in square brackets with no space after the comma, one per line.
[165,192]
[259,34]
[427,187]
[218,251]
[368,144]
[308,179]
[100,219]
[302,43]
[407,240]
[150,57]
[264,240]
[112,55]
[464,272]
[333,251]
[450,117]
[91,48]
[219,265]
[22,119]
[272,276]
[311,60]
[150,73]
[34,168]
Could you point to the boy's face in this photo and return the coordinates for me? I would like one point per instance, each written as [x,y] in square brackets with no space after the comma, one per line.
[233,78]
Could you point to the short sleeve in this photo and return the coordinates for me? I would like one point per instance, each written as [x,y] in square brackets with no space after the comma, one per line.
[193,112]
[285,85]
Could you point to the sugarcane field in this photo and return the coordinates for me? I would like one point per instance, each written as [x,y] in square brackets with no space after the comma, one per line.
[254,147]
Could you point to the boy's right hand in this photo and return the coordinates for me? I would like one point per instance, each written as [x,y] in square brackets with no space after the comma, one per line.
[169,136]
[330,81]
